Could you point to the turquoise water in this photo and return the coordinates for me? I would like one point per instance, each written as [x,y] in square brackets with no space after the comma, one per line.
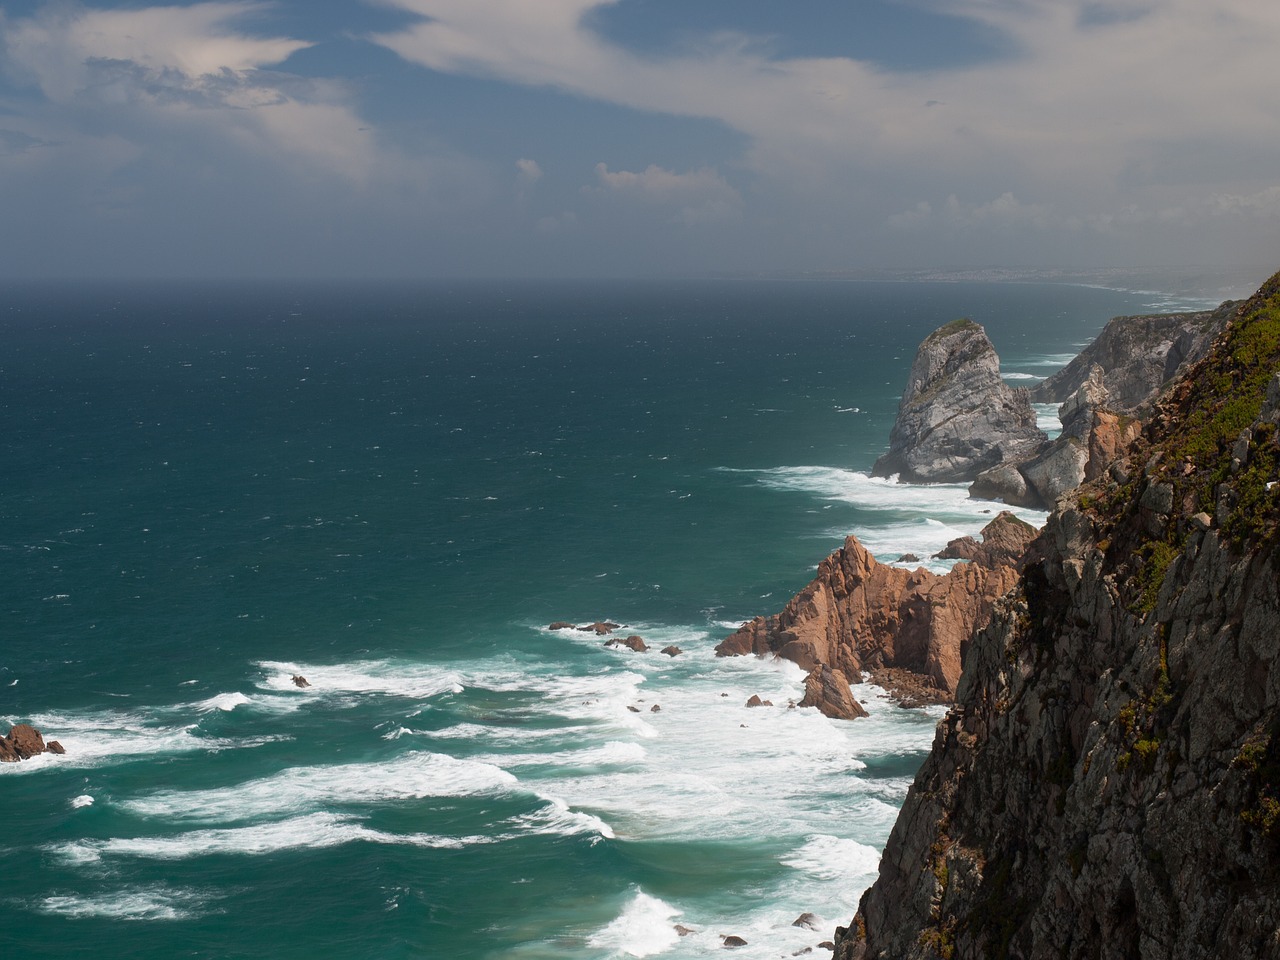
[392,491]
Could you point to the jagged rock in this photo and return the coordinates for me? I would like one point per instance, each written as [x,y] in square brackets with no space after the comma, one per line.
[908,558]
[633,709]
[732,941]
[961,548]
[806,919]
[1005,483]
[563,625]
[300,681]
[958,417]
[826,945]
[1107,785]
[672,651]
[755,701]
[1134,357]
[655,709]
[858,614]
[828,690]
[631,643]
[600,627]
[684,931]
[22,743]
[53,746]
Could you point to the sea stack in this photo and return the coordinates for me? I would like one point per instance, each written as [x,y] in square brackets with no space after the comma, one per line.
[957,417]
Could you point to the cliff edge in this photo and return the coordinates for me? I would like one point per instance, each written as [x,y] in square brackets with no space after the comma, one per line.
[1108,785]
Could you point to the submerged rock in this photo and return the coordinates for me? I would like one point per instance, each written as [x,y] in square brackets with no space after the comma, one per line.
[958,417]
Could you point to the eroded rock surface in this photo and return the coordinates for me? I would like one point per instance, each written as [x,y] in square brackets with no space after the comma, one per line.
[858,614]
[957,417]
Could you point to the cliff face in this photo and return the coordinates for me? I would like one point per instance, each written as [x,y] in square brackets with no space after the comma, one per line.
[1137,356]
[908,627]
[957,417]
[1109,783]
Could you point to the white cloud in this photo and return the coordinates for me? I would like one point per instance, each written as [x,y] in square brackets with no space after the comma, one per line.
[699,196]
[1080,114]
[188,69]
[528,171]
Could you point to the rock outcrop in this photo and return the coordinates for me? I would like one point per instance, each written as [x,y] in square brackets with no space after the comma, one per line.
[1113,380]
[860,615]
[1108,785]
[1135,357]
[828,690]
[24,742]
[957,417]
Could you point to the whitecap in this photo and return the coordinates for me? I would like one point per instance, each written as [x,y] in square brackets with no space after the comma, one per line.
[312,832]
[130,903]
[84,800]
[642,929]
[828,857]
[413,776]
[225,702]
[389,678]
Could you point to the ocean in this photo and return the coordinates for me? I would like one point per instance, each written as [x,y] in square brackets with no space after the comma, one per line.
[392,490]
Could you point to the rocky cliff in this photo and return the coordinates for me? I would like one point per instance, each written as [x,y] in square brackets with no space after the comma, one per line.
[1108,785]
[908,628]
[1118,376]
[957,417]
[1134,357]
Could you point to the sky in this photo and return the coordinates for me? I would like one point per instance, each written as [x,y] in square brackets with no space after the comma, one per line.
[583,138]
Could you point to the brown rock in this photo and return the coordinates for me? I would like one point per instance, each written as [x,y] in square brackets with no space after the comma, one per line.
[631,643]
[755,701]
[655,709]
[563,625]
[829,691]
[806,919]
[601,627]
[633,709]
[908,558]
[300,681]
[672,651]
[826,945]
[734,941]
[53,746]
[858,614]
[23,742]
[961,548]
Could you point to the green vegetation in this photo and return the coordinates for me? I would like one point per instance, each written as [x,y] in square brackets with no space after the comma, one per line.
[951,329]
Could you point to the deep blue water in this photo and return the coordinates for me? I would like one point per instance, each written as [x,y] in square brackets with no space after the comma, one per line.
[392,490]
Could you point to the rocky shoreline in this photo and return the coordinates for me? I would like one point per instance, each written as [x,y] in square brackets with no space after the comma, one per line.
[1108,784]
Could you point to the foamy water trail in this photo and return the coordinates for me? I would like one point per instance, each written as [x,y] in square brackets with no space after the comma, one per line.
[413,776]
[131,903]
[645,927]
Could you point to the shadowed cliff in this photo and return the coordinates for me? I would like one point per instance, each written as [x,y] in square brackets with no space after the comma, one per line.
[1108,785]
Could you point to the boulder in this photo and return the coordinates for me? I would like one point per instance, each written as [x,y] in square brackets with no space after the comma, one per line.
[563,625]
[684,931]
[732,941]
[600,627]
[958,417]
[908,558]
[53,746]
[828,690]
[807,920]
[672,651]
[655,709]
[755,701]
[300,681]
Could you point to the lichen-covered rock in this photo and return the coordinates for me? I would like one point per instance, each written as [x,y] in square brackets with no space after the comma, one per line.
[1108,785]
[858,614]
[958,417]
